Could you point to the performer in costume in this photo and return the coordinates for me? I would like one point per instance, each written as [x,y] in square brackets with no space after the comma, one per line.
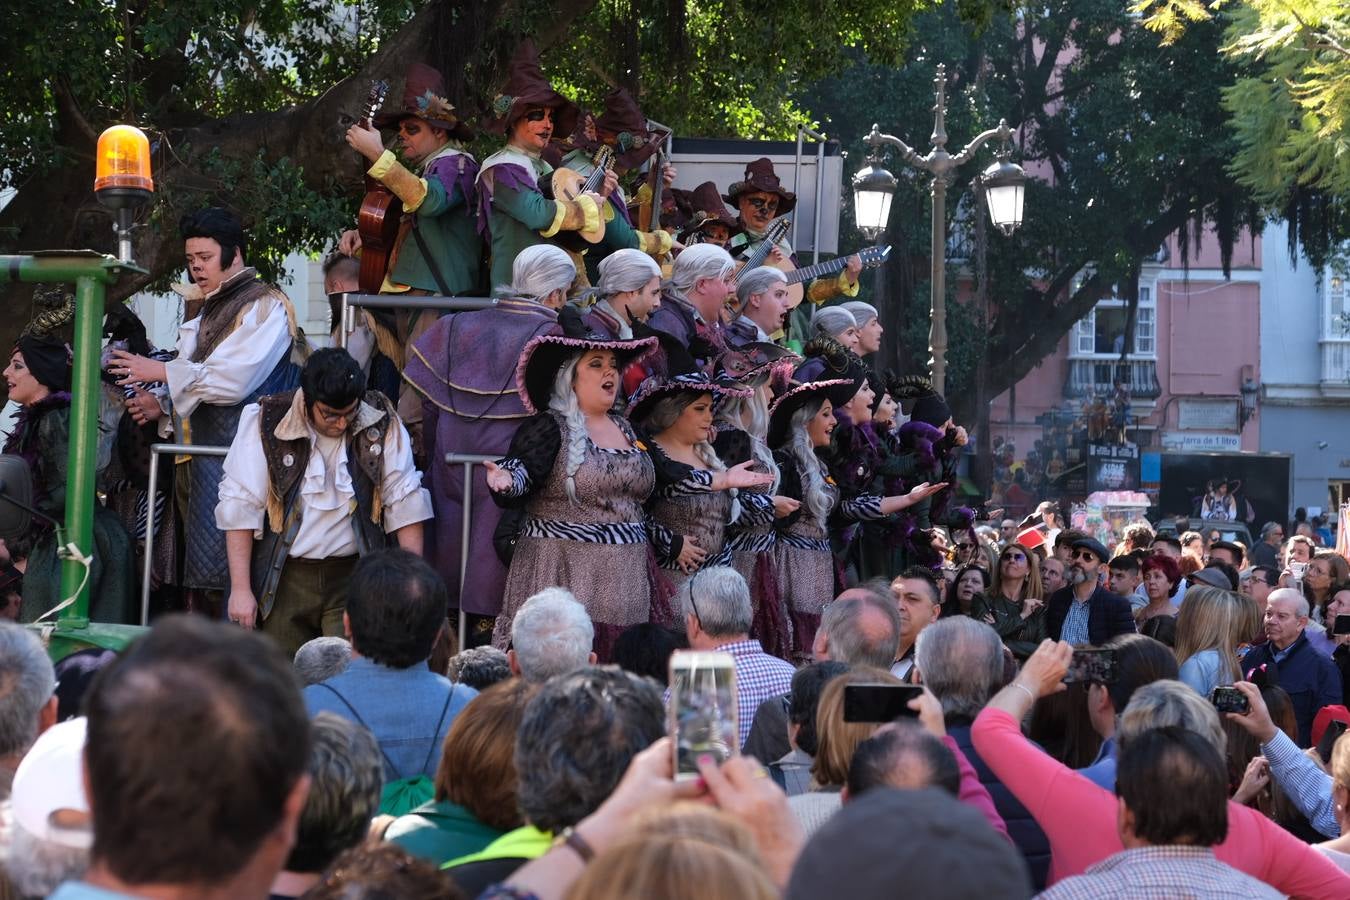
[836,323]
[869,326]
[438,249]
[709,220]
[244,344]
[759,198]
[623,127]
[512,210]
[465,369]
[38,379]
[583,476]
[692,302]
[761,306]
[742,425]
[628,291]
[315,478]
[341,275]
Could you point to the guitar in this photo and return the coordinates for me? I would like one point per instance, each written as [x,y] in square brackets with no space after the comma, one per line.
[381,212]
[569,184]
[871,258]
[777,230]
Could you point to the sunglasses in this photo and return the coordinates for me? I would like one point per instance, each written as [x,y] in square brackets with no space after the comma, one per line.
[1014,557]
[1083,555]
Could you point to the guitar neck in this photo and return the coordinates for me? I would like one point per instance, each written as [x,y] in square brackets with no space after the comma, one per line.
[761,253]
[829,267]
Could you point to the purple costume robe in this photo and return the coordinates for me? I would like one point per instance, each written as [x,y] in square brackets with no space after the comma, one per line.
[465,368]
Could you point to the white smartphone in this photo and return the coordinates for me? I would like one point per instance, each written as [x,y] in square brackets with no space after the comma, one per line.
[702,711]
[1297,570]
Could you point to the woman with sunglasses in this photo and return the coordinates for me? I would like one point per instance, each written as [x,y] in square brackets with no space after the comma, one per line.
[511,209]
[1014,606]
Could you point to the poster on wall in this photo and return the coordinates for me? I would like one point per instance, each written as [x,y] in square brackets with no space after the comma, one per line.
[1112,467]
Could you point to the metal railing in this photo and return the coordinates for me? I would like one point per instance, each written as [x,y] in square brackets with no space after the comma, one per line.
[466,460]
[350,301]
[155,451]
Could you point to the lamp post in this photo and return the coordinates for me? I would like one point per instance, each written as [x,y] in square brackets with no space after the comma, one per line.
[873,188]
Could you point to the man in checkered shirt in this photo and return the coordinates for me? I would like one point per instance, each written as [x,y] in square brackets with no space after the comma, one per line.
[716,605]
[1173,790]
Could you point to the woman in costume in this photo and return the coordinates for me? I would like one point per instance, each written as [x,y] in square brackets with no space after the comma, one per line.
[742,428]
[583,476]
[801,423]
[38,378]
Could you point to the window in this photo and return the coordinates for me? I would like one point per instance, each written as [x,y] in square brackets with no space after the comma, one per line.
[1102,331]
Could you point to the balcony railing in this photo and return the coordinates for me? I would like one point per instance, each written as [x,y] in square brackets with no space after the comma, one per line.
[1099,377]
[1336,367]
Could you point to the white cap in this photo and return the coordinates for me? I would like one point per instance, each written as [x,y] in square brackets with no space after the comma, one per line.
[50,778]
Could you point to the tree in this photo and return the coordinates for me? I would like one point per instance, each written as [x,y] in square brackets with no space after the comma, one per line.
[1290,107]
[1131,144]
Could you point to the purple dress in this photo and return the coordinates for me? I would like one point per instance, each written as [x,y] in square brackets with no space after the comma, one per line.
[465,368]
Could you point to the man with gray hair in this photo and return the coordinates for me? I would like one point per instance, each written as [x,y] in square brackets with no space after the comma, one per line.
[860,628]
[551,635]
[716,606]
[27,697]
[961,661]
[762,302]
[346,775]
[479,667]
[1310,678]
[321,658]
[691,305]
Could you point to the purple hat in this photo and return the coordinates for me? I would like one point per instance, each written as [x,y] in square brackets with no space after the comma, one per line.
[837,390]
[526,87]
[424,97]
[755,363]
[760,176]
[544,356]
[655,387]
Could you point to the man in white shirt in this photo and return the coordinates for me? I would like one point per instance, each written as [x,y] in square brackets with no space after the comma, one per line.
[314,478]
[244,343]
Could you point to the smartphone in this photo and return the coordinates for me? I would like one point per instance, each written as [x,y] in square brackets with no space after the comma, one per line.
[1094,665]
[702,709]
[1230,700]
[879,702]
[1335,728]
[1342,625]
[1296,570]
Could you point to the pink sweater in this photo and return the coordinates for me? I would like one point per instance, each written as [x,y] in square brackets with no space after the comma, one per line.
[973,792]
[1079,818]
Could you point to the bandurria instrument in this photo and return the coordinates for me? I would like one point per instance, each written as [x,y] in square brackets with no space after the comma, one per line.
[569,184]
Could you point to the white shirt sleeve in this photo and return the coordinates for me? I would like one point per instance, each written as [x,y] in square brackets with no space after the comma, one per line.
[243,488]
[239,364]
[405,500]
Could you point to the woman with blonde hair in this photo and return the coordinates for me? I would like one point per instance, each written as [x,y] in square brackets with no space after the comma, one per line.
[1211,625]
[836,740]
[687,850]
[1338,850]
[1014,606]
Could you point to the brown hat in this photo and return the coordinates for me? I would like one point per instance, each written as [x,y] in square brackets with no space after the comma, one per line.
[424,97]
[706,207]
[527,87]
[760,176]
[622,117]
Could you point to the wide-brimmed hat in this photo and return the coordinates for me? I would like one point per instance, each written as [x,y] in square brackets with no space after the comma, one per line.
[424,97]
[754,363]
[526,87]
[634,141]
[546,354]
[922,403]
[705,207]
[656,387]
[824,357]
[837,390]
[760,176]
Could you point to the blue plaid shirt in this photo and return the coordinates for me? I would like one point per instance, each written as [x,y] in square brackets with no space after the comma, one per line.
[1075,629]
[1146,873]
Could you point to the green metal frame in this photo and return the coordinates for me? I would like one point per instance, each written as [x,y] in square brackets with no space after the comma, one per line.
[91,273]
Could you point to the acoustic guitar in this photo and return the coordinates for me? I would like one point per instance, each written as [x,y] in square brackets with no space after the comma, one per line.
[381,212]
[569,184]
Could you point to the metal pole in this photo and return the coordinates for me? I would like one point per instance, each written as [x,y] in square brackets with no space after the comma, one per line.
[147,568]
[85,393]
[797,181]
[937,330]
[466,522]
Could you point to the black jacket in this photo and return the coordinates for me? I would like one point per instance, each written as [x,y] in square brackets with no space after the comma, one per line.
[1311,680]
[1022,828]
[1108,615]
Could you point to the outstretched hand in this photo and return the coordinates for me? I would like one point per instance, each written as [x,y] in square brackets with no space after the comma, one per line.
[743,476]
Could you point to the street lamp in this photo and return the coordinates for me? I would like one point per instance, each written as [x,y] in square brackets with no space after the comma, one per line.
[874,186]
